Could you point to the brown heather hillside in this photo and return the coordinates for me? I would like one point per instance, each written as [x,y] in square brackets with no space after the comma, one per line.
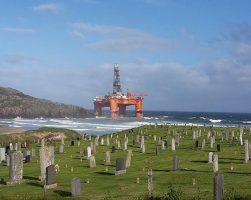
[14,103]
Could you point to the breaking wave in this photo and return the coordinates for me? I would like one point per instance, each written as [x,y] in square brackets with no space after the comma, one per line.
[215,120]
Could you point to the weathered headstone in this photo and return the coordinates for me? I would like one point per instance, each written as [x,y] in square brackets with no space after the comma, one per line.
[45,161]
[163,145]
[27,158]
[150,185]
[107,158]
[128,158]
[157,151]
[16,168]
[76,187]
[219,187]
[215,163]
[143,149]
[177,139]
[120,166]
[7,159]
[173,144]
[72,143]
[113,149]
[203,144]
[125,145]
[51,154]
[50,181]
[246,151]
[89,152]
[33,152]
[175,163]
[107,140]
[210,157]
[211,142]
[92,162]
[61,148]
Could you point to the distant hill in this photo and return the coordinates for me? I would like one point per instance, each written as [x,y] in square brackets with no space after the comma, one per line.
[14,103]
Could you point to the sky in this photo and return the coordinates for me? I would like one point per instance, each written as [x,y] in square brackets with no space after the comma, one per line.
[185,55]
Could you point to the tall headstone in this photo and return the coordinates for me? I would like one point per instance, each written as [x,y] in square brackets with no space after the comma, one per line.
[107,140]
[120,166]
[16,168]
[107,158]
[113,149]
[119,147]
[89,152]
[33,152]
[157,151]
[177,139]
[128,158]
[215,163]
[7,160]
[173,144]
[203,144]
[154,138]
[150,185]
[125,145]
[175,163]
[218,147]
[76,187]
[211,142]
[163,145]
[142,141]
[143,149]
[92,161]
[246,151]
[50,181]
[45,161]
[210,157]
[219,187]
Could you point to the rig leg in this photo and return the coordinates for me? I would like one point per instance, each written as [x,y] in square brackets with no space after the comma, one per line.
[114,108]
[98,109]
[122,110]
[139,108]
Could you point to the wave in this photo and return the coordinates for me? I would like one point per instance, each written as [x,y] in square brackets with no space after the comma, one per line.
[215,120]
[203,118]
[191,117]
[246,122]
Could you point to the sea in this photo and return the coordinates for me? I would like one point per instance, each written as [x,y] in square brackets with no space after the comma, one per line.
[106,125]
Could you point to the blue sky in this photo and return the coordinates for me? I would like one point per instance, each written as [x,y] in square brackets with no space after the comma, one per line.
[186,55]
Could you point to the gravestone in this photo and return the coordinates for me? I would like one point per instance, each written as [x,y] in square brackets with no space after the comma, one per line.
[27,158]
[107,158]
[89,152]
[128,158]
[2,154]
[173,144]
[177,139]
[142,141]
[118,143]
[241,133]
[150,184]
[113,149]
[210,157]
[61,148]
[154,138]
[211,142]
[203,144]
[45,161]
[196,144]
[219,187]
[18,146]
[120,166]
[92,162]
[76,187]
[163,145]
[246,151]
[78,143]
[50,181]
[16,168]
[125,145]
[218,147]
[215,163]
[107,140]
[143,149]
[175,163]
[72,143]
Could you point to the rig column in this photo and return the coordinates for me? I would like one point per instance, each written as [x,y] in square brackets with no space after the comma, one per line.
[97,109]
[122,110]
[114,108]
[139,108]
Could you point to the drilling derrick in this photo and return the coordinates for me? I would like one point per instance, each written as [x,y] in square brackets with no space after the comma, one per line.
[117,102]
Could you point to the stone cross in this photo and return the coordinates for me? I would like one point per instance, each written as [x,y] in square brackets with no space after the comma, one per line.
[92,161]
[76,187]
[128,158]
[150,184]
[215,163]
[246,151]
[16,168]
[107,158]
[120,166]
[219,187]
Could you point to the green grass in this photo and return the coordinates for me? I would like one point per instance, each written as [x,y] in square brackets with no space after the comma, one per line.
[104,185]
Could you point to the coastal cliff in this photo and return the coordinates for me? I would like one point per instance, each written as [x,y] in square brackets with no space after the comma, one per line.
[14,103]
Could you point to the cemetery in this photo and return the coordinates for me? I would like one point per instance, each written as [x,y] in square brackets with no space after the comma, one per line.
[149,162]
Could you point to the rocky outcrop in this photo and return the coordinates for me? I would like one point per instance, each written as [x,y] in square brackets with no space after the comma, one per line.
[14,103]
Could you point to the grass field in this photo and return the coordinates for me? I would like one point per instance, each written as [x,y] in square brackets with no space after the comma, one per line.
[97,183]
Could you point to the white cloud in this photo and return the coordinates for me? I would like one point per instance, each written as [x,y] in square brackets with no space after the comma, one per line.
[49,8]
[77,34]
[121,39]
[17,30]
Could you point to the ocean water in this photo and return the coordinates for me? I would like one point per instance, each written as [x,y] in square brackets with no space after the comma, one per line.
[103,125]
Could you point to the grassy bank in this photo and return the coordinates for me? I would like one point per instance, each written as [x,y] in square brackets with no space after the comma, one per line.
[98,183]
